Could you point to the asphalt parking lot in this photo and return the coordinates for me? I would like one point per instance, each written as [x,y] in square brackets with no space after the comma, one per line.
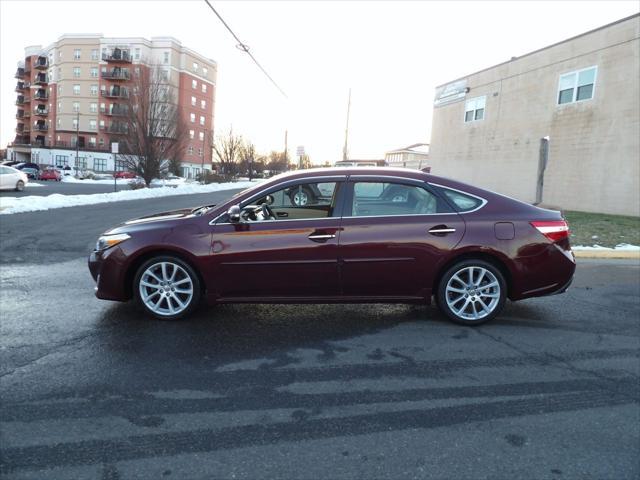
[42,188]
[92,389]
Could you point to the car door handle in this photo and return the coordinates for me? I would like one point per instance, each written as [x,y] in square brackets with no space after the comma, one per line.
[441,230]
[319,237]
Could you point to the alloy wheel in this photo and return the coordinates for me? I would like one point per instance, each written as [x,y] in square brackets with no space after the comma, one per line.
[166,288]
[472,293]
[300,199]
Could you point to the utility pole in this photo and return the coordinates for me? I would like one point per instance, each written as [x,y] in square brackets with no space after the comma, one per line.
[77,139]
[286,152]
[345,150]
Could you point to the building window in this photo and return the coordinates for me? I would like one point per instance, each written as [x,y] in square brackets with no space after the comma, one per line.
[195,67]
[164,75]
[192,134]
[121,166]
[201,120]
[92,142]
[76,89]
[194,84]
[74,123]
[192,117]
[136,54]
[94,90]
[166,57]
[76,54]
[93,107]
[102,127]
[190,150]
[193,101]
[136,71]
[76,107]
[94,72]
[204,88]
[59,122]
[99,164]
[62,161]
[59,89]
[94,54]
[59,107]
[81,162]
[199,152]
[201,136]
[474,109]
[92,124]
[577,86]
[76,72]
[101,142]
[203,104]
[204,71]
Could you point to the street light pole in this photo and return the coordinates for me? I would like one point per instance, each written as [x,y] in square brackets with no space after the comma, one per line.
[77,140]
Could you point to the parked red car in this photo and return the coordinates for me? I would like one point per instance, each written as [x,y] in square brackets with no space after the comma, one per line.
[376,235]
[124,175]
[50,174]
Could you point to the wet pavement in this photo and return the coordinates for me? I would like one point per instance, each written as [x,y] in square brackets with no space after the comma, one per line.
[94,389]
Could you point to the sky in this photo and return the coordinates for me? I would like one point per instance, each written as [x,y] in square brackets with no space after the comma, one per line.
[391,54]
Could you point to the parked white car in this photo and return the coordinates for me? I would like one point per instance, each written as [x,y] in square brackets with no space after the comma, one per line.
[12,179]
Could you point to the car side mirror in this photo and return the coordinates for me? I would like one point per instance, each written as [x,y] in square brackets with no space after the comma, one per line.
[269,199]
[234,213]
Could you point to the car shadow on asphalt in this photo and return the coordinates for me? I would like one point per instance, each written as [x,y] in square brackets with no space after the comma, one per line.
[237,332]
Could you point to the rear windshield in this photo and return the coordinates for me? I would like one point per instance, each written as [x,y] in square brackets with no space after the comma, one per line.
[463,202]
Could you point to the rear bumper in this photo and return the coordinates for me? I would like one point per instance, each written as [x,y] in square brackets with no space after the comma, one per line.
[548,273]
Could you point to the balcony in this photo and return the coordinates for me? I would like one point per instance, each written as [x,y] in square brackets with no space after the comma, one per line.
[21,72]
[116,110]
[22,114]
[41,111]
[41,63]
[23,128]
[21,100]
[20,86]
[117,55]
[40,141]
[115,93]
[118,128]
[41,95]
[115,74]
[41,79]
[40,127]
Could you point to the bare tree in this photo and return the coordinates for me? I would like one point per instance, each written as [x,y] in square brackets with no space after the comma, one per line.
[277,162]
[154,134]
[228,149]
[248,160]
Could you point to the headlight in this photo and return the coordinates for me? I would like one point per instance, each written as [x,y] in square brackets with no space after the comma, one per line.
[108,241]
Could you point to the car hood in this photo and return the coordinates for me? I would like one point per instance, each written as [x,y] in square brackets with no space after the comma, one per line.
[162,219]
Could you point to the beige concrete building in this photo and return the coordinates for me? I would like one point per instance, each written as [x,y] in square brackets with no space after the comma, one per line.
[74,90]
[559,126]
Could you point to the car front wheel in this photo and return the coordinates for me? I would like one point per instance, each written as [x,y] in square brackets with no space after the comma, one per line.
[19,186]
[472,292]
[167,288]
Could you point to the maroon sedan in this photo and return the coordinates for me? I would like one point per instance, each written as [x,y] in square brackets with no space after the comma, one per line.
[370,235]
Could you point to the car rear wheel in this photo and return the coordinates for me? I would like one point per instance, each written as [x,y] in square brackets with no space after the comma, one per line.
[472,292]
[19,186]
[167,288]
[301,197]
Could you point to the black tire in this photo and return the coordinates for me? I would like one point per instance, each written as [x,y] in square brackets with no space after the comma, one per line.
[187,269]
[475,296]
[19,186]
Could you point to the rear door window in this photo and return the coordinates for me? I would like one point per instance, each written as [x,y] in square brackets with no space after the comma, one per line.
[388,199]
[463,202]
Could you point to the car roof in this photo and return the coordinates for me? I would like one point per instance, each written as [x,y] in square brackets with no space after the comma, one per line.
[342,171]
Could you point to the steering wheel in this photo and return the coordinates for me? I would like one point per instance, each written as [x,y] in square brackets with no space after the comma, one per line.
[267,213]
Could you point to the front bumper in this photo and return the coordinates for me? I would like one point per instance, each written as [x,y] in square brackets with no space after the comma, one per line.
[108,269]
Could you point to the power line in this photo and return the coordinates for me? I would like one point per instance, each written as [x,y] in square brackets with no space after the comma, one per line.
[245,48]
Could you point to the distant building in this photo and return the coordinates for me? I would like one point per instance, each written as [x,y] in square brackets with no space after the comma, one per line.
[560,125]
[360,163]
[414,156]
[88,77]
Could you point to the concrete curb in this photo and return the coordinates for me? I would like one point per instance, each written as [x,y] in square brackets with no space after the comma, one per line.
[607,254]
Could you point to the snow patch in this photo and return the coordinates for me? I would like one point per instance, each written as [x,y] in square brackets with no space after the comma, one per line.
[10,205]
[621,247]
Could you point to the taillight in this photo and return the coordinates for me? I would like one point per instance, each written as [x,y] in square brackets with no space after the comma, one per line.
[554,230]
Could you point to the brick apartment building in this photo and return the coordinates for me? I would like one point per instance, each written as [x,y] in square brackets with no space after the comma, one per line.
[73,92]
[560,125]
